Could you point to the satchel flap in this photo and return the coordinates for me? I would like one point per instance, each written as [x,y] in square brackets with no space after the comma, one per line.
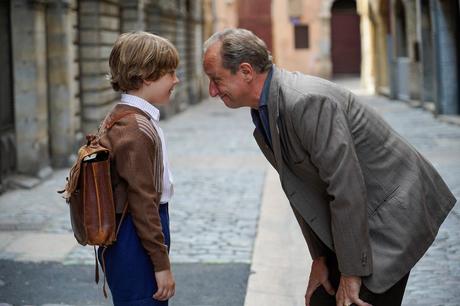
[90,152]
[85,153]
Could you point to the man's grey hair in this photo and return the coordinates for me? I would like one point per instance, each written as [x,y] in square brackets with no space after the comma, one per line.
[241,46]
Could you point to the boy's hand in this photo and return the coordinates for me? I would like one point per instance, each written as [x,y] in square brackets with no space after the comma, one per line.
[166,285]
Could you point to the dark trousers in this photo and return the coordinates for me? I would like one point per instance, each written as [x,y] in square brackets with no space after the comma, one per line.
[129,270]
[391,297]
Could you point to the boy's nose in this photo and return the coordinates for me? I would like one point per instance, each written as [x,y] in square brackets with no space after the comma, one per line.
[213,91]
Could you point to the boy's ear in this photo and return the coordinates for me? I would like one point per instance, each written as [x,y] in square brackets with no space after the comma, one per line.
[146,82]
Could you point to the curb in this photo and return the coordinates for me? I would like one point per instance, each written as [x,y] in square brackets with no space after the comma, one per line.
[280,264]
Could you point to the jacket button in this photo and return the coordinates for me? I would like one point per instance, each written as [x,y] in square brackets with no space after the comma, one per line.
[364,259]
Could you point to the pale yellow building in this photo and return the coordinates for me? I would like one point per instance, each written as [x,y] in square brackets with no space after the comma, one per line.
[312,60]
[318,37]
[226,14]
[303,35]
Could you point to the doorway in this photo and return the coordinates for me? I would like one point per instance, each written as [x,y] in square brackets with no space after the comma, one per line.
[345,38]
[7,135]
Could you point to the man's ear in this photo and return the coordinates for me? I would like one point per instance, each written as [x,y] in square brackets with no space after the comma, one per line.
[146,82]
[247,71]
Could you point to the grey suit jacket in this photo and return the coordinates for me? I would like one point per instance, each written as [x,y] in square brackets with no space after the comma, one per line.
[355,185]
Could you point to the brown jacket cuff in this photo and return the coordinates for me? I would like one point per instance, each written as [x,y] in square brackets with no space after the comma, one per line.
[160,260]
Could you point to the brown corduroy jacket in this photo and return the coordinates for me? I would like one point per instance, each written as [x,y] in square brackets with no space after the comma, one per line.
[137,172]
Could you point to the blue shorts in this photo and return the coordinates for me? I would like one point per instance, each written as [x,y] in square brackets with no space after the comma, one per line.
[129,270]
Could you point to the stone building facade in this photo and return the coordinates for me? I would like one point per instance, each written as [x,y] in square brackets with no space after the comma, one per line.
[412,51]
[55,58]
[303,35]
[405,49]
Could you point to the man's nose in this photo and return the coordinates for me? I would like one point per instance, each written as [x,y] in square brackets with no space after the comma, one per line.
[213,91]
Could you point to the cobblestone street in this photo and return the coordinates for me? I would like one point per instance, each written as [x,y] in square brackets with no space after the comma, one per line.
[219,176]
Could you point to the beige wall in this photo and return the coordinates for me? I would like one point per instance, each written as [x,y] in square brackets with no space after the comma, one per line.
[315,60]
[368,44]
[374,68]
[315,13]
[226,13]
[208,18]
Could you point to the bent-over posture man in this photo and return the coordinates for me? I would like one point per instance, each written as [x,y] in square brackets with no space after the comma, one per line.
[369,205]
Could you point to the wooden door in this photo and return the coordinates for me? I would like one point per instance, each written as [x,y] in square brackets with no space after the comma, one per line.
[345,38]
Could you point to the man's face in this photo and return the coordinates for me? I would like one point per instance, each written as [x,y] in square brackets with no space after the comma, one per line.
[231,88]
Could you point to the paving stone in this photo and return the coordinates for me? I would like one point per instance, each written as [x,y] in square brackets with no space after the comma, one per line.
[41,247]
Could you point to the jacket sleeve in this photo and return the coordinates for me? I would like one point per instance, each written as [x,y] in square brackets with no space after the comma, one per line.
[322,127]
[136,156]
[315,246]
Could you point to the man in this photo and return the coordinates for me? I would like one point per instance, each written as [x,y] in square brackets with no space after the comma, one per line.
[369,205]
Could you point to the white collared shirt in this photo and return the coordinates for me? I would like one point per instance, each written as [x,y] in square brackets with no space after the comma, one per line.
[154,115]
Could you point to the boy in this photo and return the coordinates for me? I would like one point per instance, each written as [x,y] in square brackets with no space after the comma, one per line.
[137,267]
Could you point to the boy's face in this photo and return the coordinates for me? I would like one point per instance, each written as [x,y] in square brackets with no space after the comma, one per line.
[159,91]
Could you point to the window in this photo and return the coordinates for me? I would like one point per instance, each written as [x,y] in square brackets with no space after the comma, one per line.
[301,36]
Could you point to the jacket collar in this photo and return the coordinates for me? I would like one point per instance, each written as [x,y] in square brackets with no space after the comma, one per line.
[266,88]
[273,112]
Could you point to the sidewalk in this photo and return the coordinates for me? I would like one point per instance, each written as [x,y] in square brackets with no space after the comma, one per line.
[280,264]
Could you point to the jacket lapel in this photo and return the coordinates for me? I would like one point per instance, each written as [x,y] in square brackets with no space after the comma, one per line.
[273,111]
[264,147]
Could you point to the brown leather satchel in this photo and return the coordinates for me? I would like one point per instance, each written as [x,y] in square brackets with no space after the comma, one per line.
[89,192]
[90,196]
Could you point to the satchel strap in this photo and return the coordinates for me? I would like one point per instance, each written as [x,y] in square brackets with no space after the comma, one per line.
[107,124]
[104,248]
[117,118]
[91,141]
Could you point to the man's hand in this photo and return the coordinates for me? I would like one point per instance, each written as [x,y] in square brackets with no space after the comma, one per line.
[319,275]
[348,291]
[166,285]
